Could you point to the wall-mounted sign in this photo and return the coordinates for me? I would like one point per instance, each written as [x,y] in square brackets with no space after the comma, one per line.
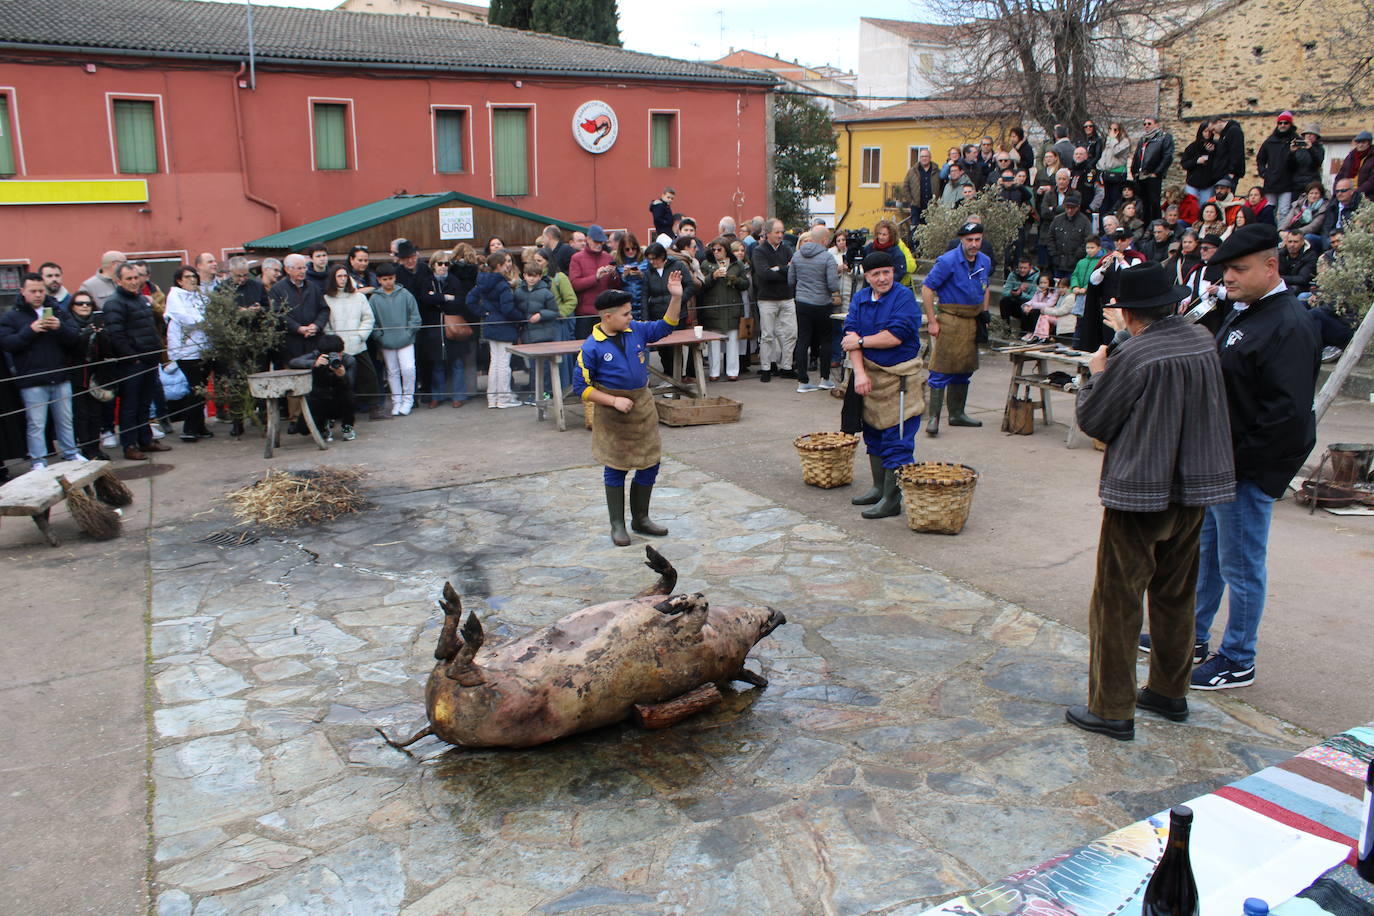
[595,126]
[455,223]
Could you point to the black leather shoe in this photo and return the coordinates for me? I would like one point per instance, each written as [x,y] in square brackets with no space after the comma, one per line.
[1168,707]
[1120,729]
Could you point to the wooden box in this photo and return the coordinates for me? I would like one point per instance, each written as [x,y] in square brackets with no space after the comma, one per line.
[697,411]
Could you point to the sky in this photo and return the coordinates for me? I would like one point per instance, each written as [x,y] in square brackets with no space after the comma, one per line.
[815,32]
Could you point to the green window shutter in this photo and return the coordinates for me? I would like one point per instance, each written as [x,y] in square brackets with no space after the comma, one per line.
[135,136]
[331,148]
[6,141]
[448,140]
[661,141]
[511,151]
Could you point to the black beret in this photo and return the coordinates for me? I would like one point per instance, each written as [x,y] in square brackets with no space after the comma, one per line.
[1073,199]
[1121,232]
[613,299]
[1247,240]
[1210,239]
[970,228]
[875,260]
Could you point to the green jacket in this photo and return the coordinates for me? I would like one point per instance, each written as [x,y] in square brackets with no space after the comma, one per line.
[397,318]
[1081,270]
[563,292]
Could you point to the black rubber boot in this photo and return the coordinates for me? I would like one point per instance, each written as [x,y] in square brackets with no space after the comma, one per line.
[958,398]
[639,511]
[891,503]
[615,504]
[874,493]
[936,403]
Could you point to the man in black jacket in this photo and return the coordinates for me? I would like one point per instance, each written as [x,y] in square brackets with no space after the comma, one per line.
[1297,264]
[131,331]
[1154,153]
[1155,246]
[301,305]
[777,309]
[1274,164]
[1270,355]
[37,345]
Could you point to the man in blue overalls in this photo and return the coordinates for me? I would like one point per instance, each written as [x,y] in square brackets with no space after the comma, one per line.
[613,374]
[882,335]
[960,280]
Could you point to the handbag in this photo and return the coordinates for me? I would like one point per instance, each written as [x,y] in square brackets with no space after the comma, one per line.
[746,329]
[174,383]
[456,328]
[1019,417]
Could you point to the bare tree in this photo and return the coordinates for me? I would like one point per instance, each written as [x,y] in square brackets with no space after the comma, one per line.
[1058,61]
[1352,54]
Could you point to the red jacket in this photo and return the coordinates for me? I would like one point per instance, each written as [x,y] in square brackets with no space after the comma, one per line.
[582,274]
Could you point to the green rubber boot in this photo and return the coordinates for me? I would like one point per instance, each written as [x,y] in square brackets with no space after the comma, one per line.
[958,397]
[891,503]
[639,511]
[874,493]
[615,504]
[937,401]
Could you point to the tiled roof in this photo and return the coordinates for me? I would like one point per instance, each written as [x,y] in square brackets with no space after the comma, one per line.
[927,33]
[919,109]
[191,29]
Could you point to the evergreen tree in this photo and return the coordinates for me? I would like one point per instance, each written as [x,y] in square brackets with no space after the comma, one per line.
[514,14]
[804,155]
[588,20]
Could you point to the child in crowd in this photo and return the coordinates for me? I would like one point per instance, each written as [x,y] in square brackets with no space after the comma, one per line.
[1045,296]
[1082,273]
[1061,305]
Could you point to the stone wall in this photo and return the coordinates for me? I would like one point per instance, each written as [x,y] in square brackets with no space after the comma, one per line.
[1251,60]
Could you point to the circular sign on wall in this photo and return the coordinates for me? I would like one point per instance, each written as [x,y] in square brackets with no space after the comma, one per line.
[595,126]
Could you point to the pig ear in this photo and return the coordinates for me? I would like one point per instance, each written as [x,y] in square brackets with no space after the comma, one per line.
[453,612]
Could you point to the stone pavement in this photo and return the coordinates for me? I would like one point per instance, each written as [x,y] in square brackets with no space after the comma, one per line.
[910,745]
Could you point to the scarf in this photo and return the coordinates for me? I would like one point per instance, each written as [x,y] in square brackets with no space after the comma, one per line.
[881,247]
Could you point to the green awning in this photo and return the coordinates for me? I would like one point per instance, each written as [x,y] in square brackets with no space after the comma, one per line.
[385,210]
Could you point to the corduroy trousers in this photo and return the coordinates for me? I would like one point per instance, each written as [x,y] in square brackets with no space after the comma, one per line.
[1142,554]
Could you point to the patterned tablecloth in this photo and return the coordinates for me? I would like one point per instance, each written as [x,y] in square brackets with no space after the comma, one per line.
[1305,810]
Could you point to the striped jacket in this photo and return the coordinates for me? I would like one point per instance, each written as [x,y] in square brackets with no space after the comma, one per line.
[1161,408]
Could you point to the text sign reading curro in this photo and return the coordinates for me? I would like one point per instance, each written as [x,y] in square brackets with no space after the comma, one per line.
[595,126]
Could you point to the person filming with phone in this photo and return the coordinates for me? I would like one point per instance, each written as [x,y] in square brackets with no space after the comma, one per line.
[37,347]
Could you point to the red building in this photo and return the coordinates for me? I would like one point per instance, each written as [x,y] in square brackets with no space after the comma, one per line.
[143,125]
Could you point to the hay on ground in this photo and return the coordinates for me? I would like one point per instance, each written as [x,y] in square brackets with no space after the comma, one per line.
[292,499]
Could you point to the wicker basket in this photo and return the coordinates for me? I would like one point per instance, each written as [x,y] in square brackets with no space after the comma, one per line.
[937,495]
[588,411]
[827,459]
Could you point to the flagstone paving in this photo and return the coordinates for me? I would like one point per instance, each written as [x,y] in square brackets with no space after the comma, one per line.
[910,744]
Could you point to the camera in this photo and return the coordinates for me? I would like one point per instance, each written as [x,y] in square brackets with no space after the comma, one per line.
[335,361]
[854,248]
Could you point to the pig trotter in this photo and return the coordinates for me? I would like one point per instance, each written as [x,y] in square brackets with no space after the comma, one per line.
[667,574]
[461,669]
[674,605]
[402,745]
[453,613]
[749,677]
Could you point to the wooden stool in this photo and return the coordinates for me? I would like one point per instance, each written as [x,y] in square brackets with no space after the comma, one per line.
[277,384]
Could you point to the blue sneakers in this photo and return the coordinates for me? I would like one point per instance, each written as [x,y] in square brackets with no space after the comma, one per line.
[1219,673]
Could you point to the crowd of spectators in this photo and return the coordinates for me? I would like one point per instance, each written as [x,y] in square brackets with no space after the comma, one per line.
[1143,198]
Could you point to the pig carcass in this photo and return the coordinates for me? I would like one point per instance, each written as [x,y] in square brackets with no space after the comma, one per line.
[589,669]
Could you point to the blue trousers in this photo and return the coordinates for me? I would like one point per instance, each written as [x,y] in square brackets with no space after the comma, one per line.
[895,450]
[39,402]
[942,379]
[644,477]
[1234,545]
[447,382]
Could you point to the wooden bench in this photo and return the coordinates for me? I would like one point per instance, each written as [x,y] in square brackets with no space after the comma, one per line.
[35,493]
[1043,356]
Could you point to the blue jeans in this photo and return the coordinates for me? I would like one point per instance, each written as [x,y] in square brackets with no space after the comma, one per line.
[565,329]
[446,381]
[38,400]
[1234,545]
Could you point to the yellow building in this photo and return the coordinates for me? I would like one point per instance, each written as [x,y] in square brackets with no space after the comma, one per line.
[877,147]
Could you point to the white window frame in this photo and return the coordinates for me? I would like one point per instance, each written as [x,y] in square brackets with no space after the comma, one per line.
[467,140]
[914,150]
[862,162]
[533,138]
[676,152]
[13,94]
[164,159]
[351,139]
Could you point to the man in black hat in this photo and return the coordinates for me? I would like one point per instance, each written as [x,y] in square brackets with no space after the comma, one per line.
[960,280]
[1160,406]
[1270,356]
[1204,281]
[882,336]
[1102,284]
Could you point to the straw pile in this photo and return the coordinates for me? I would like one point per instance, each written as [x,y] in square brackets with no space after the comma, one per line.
[292,499]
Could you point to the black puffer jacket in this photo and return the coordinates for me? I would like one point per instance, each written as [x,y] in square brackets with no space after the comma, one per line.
[1270,356]
[28,351]
[1274,161]
[132,330]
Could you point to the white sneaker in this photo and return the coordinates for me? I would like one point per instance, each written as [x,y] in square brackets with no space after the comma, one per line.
[505,405]
[807,386]
[405,411]
[156,431]
[78,458]
[38,465]
[109,440]
[395,410]
[826,384]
